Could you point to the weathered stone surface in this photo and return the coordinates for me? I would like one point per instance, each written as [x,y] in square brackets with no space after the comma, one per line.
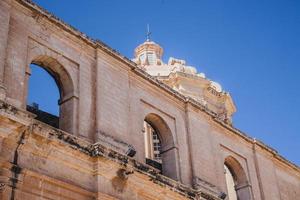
[39,160]
[104,92]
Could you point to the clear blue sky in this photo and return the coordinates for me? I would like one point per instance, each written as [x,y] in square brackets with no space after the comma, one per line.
[252,48]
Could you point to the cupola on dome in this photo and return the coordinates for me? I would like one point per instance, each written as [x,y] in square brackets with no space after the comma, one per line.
[148,53]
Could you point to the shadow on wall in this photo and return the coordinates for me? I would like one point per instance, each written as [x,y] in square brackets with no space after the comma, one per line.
[43,116]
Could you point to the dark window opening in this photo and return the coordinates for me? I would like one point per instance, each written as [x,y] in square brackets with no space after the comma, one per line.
[152,147]
[154,163]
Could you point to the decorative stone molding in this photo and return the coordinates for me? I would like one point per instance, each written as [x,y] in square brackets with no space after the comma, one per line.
[129,165]
[98,150]
[214,92]
[2,187]
[118,146]
[206,187]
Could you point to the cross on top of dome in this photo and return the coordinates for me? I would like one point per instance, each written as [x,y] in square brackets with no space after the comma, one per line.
[148,33]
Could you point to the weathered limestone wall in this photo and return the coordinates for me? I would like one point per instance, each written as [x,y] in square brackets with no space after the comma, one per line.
[231,145]
[113,97]
[288,184]
[125,100]
[38,161]
[276,179]
[5,7]
[201,147]
[104,93]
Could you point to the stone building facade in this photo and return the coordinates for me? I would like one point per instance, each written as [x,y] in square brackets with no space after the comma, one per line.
[106,104]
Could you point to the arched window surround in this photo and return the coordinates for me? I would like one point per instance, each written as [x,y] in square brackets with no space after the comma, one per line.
[66,74]
[241,182]
[169,151]
[68,103]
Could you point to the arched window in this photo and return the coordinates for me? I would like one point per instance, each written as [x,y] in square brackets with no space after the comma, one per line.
[238,187]
[50,93]
[152,146]
[43,96]
[160,150]
[230,183]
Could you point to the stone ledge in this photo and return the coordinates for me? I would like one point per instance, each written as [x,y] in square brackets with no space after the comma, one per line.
[99,150]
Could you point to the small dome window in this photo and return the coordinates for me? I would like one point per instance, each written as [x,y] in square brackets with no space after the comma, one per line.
[151,58]
[143,57]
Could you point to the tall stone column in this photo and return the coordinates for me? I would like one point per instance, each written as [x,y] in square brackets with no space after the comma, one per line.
[5,6]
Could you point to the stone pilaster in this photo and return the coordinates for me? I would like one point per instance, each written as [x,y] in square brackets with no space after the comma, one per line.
[4,29]
[98,86]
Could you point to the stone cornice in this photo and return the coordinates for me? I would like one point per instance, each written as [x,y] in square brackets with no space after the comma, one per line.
[99,44]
